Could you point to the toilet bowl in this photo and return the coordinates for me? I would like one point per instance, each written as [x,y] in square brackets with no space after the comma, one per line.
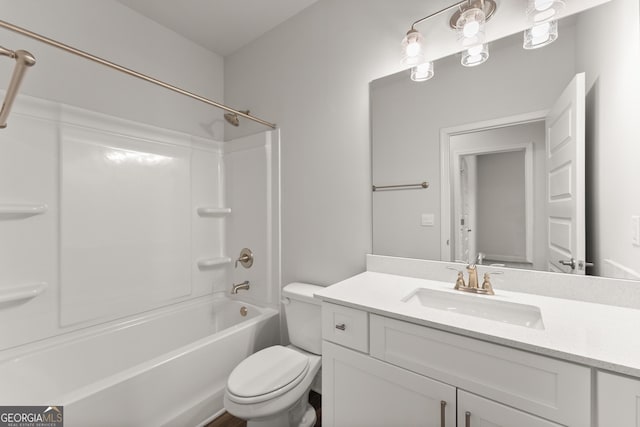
[270,388]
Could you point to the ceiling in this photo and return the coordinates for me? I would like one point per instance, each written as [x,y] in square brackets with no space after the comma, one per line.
[221,26]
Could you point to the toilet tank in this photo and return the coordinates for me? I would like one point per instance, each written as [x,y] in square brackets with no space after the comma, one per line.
[303,315]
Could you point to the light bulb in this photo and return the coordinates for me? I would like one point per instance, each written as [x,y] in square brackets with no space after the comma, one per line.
[543,10]
[541,5]
[422,72]
[471,28]
[540,35]
[475,55]
[412,48]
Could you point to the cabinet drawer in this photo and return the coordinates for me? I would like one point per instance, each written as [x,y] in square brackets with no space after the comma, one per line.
[345,326]
[553,389]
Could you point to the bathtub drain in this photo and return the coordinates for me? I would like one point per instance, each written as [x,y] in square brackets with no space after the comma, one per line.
[243,311]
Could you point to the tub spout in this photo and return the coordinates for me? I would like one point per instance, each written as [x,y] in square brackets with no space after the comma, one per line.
[235,288]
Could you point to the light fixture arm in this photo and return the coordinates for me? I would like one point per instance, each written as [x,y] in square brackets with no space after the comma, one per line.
[446,9]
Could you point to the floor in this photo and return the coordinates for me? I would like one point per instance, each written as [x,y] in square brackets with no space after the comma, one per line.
[228,420]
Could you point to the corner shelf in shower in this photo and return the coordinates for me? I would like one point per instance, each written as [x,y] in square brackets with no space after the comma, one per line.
[213,262]
[17,211]
[212,211]
[21,292]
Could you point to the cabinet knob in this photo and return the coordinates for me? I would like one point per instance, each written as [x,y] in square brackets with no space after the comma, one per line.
[341,326]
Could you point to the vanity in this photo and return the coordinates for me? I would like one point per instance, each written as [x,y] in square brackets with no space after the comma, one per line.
[402,349]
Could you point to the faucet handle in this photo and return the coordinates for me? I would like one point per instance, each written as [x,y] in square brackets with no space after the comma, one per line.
[245,258]
[486,283]
[459,280]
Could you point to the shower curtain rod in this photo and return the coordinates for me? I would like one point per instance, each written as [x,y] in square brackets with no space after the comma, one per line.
[125,70]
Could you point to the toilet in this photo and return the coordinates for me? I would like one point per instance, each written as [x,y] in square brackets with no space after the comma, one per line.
[270,388]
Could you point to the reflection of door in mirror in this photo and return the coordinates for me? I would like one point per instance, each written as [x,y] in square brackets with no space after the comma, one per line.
[565,160]
[497,170]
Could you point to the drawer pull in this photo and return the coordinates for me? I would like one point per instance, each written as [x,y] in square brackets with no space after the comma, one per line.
[467,419]
[341,326]
[443,405]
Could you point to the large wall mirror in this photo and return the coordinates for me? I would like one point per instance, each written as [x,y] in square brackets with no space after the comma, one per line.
[483,138]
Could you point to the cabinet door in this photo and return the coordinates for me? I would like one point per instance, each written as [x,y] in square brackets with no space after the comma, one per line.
[618,401]
[361,391]
[475,411]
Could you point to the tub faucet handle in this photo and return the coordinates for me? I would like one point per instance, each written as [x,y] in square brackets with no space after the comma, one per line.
[245,258]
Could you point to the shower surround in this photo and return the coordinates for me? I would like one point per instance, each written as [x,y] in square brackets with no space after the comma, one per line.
[113,231]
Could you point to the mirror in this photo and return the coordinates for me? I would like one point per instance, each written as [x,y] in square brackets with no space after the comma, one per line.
[411,120]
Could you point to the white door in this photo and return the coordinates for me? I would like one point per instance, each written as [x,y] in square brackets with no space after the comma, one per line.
[361,391]
[565,124]
[618,400]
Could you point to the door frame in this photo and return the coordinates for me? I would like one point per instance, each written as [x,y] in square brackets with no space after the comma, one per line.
[449,153]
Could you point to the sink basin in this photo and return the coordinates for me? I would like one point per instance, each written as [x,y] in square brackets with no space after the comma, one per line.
[478,306]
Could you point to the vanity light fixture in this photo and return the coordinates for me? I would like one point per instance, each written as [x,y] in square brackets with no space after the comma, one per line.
[468,21]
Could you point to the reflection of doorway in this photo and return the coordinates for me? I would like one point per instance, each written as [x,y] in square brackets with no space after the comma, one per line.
[492,225]
[495,172]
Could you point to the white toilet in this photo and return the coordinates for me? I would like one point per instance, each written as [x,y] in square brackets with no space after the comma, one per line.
[270,388]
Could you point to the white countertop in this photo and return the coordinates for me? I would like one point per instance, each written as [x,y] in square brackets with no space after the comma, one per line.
[597,335]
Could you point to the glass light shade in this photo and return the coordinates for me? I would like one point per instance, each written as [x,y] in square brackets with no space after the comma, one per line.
[540,35]
[543,10]
[412,48]
[470,27]
[475,55]
[422,72]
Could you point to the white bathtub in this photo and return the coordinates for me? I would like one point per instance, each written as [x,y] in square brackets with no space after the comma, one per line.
[169,368]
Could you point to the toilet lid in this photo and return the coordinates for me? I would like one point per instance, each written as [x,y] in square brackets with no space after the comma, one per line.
[267,371]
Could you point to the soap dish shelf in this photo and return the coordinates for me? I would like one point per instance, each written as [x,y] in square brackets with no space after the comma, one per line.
[22,292]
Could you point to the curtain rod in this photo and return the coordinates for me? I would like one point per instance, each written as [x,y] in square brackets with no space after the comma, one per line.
[125,70]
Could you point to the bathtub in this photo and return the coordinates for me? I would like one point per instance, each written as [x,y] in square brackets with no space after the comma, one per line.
[164,369]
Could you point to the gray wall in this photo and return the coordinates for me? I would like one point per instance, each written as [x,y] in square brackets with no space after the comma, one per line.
[611,60]
[501,226]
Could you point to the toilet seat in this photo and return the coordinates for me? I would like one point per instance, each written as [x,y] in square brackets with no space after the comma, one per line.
[266,375]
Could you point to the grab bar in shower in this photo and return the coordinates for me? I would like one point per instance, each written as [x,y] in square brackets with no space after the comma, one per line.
[23,60]
[423,184]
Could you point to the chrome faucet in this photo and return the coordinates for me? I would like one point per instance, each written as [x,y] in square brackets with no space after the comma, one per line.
[240,286]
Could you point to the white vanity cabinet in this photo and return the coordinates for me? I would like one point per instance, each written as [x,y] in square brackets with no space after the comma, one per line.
[405,370]
[367,392]
[618,400]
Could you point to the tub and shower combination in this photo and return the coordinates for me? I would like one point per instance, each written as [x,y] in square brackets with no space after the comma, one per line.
[117,256]
[168,368]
